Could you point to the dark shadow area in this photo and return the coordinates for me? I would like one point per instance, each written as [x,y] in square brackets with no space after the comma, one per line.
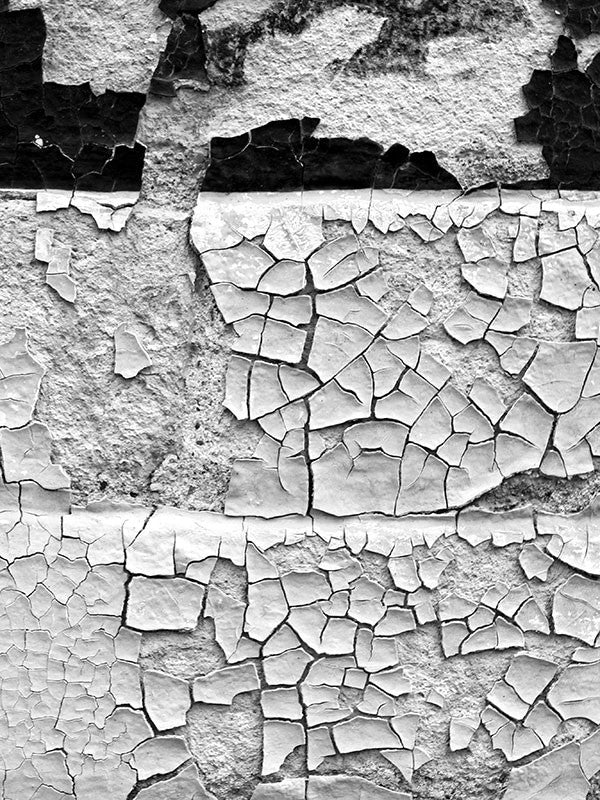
[582,17]
[284,155]
[56,136]
[564,118]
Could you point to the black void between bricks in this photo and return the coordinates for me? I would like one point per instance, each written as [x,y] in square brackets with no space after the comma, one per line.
[63,136]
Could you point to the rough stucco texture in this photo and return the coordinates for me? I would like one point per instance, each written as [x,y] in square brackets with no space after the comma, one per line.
[133,439]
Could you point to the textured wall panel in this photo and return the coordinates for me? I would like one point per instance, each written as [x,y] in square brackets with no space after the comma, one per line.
[299,400]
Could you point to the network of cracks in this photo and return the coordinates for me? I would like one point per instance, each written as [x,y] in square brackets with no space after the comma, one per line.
[316,349]
[352,525]
[329,627]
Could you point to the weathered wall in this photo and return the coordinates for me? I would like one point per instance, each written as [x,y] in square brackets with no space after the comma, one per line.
[196,603]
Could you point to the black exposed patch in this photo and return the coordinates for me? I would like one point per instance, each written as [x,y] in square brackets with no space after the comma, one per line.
[173,8]
[564,117]
[582,17]
[402,43]
[60,136]
[184,55]
[285,156]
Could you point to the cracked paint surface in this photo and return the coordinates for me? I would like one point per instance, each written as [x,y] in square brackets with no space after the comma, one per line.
[324,631]
[359,624]
[316,351]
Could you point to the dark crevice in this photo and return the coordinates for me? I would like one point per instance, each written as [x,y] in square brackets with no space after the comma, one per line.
[558,495]
[284,155]
[156,780]
[57,136]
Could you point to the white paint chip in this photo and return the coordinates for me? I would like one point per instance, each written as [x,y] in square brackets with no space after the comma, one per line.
[130,356]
